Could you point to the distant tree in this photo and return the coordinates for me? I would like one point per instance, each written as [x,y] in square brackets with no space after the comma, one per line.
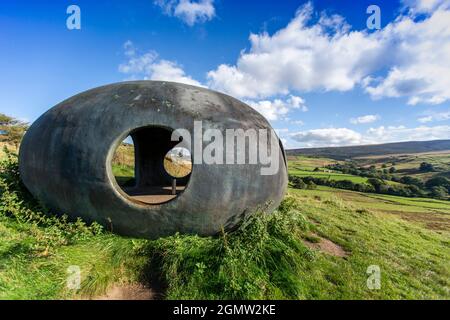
[311,185]
[415,191]
[392,170]
[384,165]
[411,181]
[438,182]
[369,188]
[426,167]
[439,192]
[345,184]
[11,129]
[316,169]
[360,187]
[378,184]
[297,182]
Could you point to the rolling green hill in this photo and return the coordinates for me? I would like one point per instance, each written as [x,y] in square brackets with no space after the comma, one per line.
[408,164]
[319,244]
[342,153]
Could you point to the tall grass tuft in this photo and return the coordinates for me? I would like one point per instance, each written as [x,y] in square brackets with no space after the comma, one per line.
[17,203]
[260,260]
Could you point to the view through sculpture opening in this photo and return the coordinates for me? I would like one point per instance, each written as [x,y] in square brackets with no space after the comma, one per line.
[149,168]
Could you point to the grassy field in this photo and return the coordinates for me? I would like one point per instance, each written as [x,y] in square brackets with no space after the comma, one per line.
[408,164]
[318,245]
[405,164]
[331,175]
[309,163]
[352,152]
[304,166]
[428,213]
[328,175]
[124,173]
[35,261]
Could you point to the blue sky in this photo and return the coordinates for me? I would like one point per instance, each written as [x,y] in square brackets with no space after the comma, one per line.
[313,69]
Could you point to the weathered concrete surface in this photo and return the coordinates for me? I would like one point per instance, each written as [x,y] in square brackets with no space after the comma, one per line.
[65,159]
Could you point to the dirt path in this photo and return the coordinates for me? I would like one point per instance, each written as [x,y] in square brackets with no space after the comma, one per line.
[327,246]
[129,292]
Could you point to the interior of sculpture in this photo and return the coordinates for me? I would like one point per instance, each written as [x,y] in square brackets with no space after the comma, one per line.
[149,168]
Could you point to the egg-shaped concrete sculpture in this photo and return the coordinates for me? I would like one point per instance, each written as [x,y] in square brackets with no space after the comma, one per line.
[65,159]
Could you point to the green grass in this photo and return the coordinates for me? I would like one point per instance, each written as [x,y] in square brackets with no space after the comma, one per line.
[429,213]
[266,258]
[334,176]
[383,200]
[36,248]
[409,164]
[123,173]
[35,267]
[304,167]
[309,163]
[413,259]
[328,175]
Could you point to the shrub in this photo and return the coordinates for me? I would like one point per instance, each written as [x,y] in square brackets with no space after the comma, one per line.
[374,185]
[311,185]
[16,202]
[297,182]
[378,184]
[438,182]
[426,167]
[411,181]
[262,259]
[439,192]
[11,129]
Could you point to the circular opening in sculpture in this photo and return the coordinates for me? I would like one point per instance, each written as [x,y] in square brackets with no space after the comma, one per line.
[178,163]
[149,168]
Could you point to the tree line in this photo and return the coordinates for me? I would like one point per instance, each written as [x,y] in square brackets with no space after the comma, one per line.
[437,187]
[12,130]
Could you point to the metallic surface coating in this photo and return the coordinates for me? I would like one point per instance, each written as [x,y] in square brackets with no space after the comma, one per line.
[65,160]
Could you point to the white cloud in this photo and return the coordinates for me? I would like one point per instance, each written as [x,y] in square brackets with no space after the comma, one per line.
[148,66]
[422,50]
[401,133]
[297,103]
[365,119]
[301,57]
[424,6]
[170,71]
[405,59]
[435,116]
[329,137]
[277,109]
[425,119]
[298,122]
[191,12]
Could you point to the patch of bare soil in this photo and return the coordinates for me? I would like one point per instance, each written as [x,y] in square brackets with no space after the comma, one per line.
[434,221]
[327,246]
[128,292]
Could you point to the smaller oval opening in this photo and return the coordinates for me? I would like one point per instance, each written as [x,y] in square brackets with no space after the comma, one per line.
[149,168]
[178,162]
